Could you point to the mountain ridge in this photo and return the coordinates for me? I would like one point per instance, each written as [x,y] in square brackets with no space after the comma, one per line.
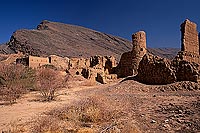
[71,41]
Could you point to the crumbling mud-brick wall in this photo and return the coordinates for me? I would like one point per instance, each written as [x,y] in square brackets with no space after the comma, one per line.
[156,70]
[35,62]
[125,67]
[61,63]
[105,63]
[93,68]
[79,63]
[189,42]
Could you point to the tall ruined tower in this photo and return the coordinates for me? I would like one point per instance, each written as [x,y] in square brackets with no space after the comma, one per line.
[129,61]
[189,42]
[189,37]
[139,47]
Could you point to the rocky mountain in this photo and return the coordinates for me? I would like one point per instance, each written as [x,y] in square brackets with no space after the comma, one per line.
[71,41]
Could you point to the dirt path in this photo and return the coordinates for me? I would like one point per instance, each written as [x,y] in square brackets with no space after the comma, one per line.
[28,106]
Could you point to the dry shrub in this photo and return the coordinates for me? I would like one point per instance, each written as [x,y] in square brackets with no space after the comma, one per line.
[48,82]
[89,110]
[46,124]
[14,81]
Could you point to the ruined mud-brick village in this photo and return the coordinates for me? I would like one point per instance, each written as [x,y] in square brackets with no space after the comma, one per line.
[70,78]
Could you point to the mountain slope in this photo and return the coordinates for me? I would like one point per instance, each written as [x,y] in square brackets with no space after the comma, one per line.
[68,40]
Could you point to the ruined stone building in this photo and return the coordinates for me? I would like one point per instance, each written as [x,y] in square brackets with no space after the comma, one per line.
[96,68]
[139,48]
[61,63]
[129,61]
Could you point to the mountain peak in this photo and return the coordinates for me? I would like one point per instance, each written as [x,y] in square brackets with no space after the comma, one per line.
[43,25]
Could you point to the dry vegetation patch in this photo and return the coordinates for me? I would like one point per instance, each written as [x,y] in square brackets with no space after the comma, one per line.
[89,115]
[15,80]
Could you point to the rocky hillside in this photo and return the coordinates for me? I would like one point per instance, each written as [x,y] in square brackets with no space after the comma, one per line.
[5,49]
[71,41]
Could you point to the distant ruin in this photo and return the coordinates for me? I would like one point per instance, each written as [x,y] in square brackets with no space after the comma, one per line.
[95,68]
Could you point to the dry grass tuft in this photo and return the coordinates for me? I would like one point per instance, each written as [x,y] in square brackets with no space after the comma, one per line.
[46,124]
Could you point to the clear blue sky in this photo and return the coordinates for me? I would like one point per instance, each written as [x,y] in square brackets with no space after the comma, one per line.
[160,19]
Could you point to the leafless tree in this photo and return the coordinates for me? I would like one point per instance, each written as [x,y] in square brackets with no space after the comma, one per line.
[48,82]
